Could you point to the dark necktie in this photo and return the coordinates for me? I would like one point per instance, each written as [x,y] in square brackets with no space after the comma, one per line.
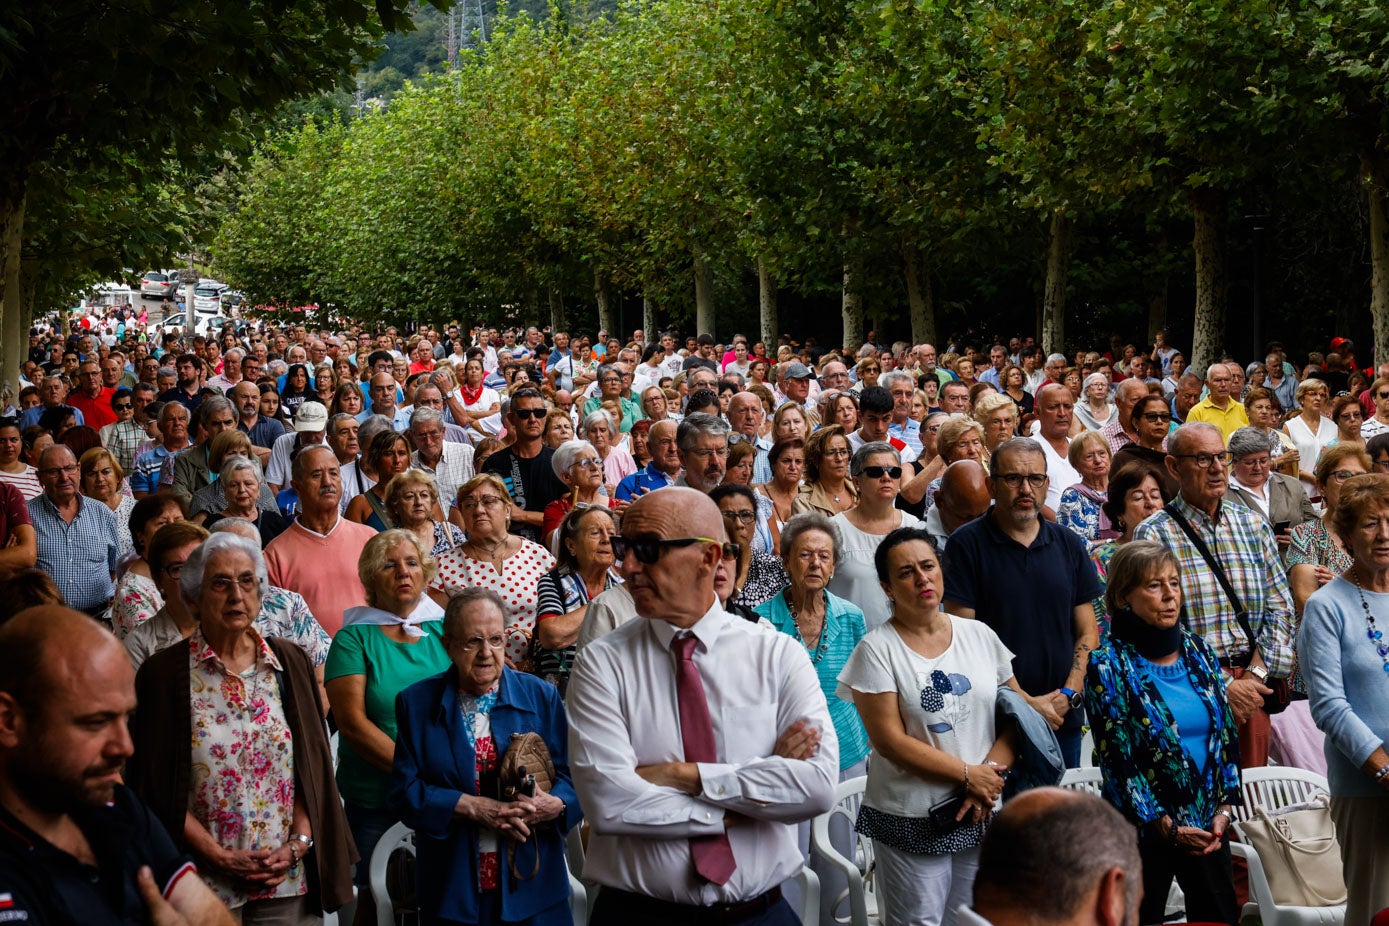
[713,856]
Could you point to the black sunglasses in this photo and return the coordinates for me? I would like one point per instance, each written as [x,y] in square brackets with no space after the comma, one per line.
[649,549]
[121,406]
[877,472]
[523,413]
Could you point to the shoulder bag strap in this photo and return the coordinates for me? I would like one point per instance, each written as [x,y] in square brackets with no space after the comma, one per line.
[1216,568]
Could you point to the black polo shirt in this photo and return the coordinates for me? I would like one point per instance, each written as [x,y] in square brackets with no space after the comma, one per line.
[532,483]
[42,884]
[1026,594]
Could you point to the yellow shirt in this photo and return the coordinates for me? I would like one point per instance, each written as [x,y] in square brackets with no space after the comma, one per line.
[1228,421]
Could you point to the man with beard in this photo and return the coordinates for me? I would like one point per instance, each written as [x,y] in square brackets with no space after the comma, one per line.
[1052,627]
[76,846]
[188,389]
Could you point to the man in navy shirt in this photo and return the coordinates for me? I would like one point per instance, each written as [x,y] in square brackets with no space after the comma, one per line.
[1032,581]
[76,846]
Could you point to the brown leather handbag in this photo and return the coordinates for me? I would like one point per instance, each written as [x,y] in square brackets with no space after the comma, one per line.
[526,768]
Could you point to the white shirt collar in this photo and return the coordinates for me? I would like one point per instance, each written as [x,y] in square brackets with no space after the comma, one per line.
[706,629]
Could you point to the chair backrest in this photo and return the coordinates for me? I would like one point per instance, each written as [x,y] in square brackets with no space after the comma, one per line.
[1083,779]
[861,895]
[1273,787]
[399,836]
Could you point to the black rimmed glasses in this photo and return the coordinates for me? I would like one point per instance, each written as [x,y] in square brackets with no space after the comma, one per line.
[1152,417]
[742,517]
[1015,480]
[878,472]
[649,549]
[1205,460]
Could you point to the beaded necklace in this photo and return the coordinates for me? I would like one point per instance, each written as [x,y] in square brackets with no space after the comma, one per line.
[1372,632]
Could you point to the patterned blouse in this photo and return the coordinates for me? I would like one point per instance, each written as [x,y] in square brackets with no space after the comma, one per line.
[1147,772]
[1311,544]
[559,592]
[1100,555]
[477,723]
[766,577]
[1081,513]
[137,600]
[243,763]
[516,583]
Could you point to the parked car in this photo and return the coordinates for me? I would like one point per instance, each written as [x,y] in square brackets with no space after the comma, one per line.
[207,297]
[203,322]
[157,285]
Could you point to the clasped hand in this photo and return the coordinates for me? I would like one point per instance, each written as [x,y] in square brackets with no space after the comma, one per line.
[262,868]
[512,819]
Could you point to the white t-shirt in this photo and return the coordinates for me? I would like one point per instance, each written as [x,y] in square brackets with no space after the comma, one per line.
[855,578]
[1061,475]
[946,702]
[485,401]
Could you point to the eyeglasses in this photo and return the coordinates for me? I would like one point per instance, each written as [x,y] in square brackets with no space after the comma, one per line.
[588,463]
[473,644]
[523,413]
[1015,480]
[247,581]
[1151,417]
[122,406]
[1204,460]
[173,570]
[487,501]
[837,454]
[1341,475]
[878,472]
[649,549]
[55,470]
[742,517]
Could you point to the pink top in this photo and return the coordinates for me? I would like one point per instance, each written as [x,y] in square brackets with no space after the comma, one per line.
[321,568]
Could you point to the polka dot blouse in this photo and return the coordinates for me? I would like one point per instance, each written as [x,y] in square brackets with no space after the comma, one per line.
[516,583]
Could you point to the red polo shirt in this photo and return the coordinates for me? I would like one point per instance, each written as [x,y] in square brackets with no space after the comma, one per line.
[96,412]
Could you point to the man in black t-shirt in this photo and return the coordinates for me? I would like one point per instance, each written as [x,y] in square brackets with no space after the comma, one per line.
[525,465]
[76,846]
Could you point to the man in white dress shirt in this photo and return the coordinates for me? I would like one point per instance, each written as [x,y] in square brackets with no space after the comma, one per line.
[681,727]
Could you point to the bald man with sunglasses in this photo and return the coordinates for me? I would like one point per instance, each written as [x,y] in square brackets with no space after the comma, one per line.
[697,740]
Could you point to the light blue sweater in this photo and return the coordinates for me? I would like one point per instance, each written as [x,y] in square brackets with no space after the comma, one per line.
[1346,681]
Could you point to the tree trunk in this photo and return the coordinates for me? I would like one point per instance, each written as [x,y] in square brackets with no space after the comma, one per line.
[1375,174]
[13,344]
[648,319]
[1157,308]
[852,304]
[556,310]
[1212,287]
[919,299]
[1054,293]
[603,296]
[704,293]
[766,302]
[531,304]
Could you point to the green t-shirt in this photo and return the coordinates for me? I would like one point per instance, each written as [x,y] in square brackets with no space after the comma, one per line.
[390,668]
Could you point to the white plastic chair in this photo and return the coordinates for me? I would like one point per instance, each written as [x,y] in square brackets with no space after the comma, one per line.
[401,836]
[1272,788]
[1083,779]
[858,871]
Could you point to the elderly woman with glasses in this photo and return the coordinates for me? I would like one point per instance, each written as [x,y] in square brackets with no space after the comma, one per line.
[827,488]
[579,466]
[242,483]
[138,597]
[1262,408]
[877,471]
[482,856]
[1082,505]
[1279,499]
[600,429]
[231,752]
[103,480]
[759,574]
[496,559]
[584,571]
[383,648]
[167,551]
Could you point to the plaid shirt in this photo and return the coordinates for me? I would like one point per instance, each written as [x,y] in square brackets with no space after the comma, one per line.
[455,467]
[123,439]
[81,555]
[1243,543]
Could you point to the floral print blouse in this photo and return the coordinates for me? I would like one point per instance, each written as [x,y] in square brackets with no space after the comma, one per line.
[137,600]
[1147,772]
[243,763]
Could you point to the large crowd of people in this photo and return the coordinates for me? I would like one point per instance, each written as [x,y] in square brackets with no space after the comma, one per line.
[496,584]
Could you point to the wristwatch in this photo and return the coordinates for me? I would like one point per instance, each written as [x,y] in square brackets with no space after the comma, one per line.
[1076,698]
[305,841]
[1260,674]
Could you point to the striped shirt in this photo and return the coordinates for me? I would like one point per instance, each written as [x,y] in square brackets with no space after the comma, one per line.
[1243,543]
[144,477]
[26,481]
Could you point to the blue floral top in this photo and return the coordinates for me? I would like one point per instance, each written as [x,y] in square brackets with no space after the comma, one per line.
[1147,772]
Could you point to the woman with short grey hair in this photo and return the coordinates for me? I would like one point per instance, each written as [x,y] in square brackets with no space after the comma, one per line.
[599,428]
[1279,499]
[1094,409]
[218,716]
[242,482]
[876,468]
